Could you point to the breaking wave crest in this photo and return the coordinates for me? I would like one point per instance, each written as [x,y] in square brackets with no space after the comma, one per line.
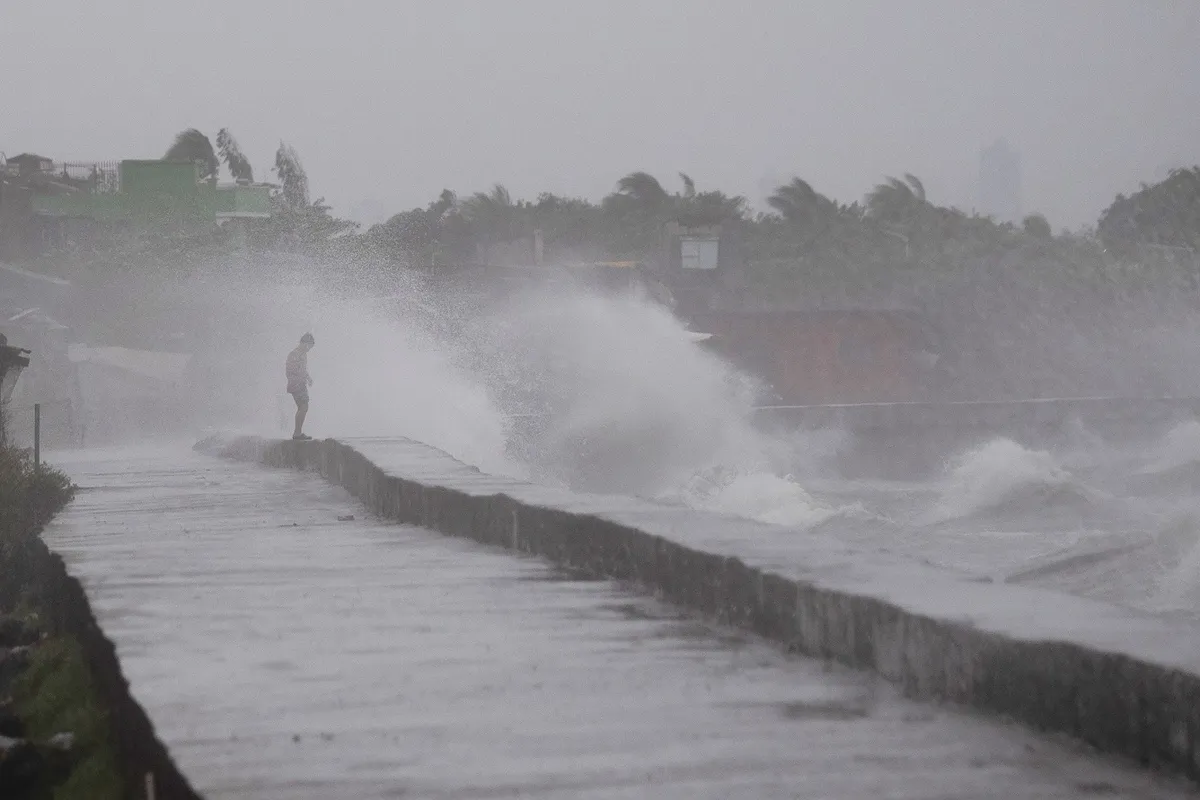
[1178,546]
[1176,458]
[1002,476]
[761,496]
[630,403]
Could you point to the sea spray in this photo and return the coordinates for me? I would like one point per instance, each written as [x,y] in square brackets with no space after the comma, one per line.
[631,403]
[1002,474]
[761,496]
[380,368]
[1178,450]
[621,396]
[1178,549]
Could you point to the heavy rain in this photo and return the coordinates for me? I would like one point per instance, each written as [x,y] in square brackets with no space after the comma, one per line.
[600,399]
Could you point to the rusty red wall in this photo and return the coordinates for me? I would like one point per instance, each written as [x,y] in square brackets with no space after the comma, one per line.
[819,357]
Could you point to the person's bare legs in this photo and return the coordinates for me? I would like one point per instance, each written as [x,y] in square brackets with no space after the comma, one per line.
[301,412]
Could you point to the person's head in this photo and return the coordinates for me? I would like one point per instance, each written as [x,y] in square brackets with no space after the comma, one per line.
[307,341]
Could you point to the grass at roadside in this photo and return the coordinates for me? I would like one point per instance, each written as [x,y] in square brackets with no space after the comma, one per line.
[28,496]
[55,693]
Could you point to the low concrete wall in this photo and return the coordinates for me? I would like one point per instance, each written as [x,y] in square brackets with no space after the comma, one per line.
[1124,682]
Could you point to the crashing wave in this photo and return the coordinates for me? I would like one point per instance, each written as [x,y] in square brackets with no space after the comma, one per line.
[1176,459]
[1003,476]
[758,495]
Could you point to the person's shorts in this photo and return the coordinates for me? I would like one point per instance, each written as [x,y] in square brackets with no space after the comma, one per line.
[300,394]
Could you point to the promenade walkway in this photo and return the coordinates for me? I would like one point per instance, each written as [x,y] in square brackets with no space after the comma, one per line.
[285,650]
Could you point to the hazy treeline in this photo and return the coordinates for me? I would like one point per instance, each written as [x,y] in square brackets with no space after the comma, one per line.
[1025,309]
[805,240]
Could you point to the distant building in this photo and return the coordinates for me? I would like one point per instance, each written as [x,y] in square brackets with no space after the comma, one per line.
[28,163]
[1000,182]
[43,202]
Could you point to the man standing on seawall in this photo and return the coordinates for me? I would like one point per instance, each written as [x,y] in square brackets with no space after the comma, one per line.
[298,381]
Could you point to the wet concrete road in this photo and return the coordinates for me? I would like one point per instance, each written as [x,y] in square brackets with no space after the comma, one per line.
[284,653]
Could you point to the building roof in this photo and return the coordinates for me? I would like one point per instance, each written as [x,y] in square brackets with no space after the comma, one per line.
[29,157]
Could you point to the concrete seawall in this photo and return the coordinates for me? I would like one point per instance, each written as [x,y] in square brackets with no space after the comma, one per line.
[1125,682]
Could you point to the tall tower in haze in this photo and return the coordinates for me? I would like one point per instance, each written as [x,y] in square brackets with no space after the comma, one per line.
[1000,182]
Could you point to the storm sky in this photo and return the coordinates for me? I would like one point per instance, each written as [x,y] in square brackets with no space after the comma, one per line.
[389,101]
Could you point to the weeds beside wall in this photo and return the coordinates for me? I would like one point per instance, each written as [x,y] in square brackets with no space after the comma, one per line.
[78,732]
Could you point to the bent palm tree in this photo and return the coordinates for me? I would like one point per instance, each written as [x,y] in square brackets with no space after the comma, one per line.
[1037,226]
[192,145]
[446,201]
[494,214]
[798,203]
[689,185]
[644,189]
[897,200]
[915,184]
[231,154]
[483,205]
[292,176]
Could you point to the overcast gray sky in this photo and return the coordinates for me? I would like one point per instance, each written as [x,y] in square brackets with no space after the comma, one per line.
[389,101]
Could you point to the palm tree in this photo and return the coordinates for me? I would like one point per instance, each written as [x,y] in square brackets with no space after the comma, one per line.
[292,176]
[897,200]
[1037,226]
[915,184]
[644,189]
[799,204]
[192,145]
[231,154]
[493,214]
[483,205]
[446,201]
[689,185]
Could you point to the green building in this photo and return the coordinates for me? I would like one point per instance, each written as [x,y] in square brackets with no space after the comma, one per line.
[151,193]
